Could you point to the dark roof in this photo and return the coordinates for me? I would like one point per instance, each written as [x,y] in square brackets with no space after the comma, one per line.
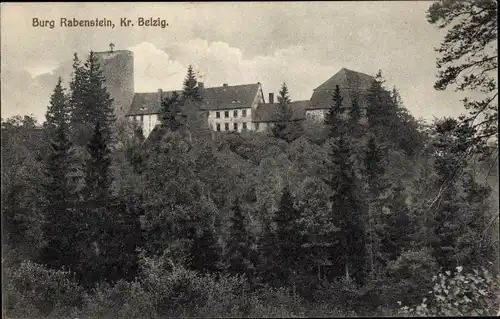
[268,112]
[346,78]
[352,85]
[215,98]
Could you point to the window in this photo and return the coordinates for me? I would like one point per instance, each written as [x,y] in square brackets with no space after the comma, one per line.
[218,127]
[226,127]
[257,126]
[142,118]
[217,115]
[226,114]
[235,113]
[244,126]
[244,113]
[235,126]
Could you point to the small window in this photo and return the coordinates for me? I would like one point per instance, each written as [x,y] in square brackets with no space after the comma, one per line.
[142,118]
[235,126]
[244,126]
[217,115]
[244,113]
[218,127]
[257,126]
[226,114]
[226,127]
[235,113]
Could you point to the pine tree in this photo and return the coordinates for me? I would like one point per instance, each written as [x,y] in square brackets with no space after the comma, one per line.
[268,250]
[377,184]
[355,113]
[189,87]
[170,107]
[57,193]
[285,128]
[205,252]
[345,199]
[97,169]
[289,239]
[238,251]
[90,101]
[398,229]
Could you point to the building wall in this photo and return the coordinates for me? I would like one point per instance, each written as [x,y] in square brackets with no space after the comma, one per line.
[230,120]
[317,115]
[147,122]
[118,70]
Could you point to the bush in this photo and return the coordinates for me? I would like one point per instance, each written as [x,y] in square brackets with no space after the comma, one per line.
[408,277]
[122,300]
[458,294]
[33,291]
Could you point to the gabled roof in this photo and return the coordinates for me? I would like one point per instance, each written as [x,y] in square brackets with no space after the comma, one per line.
[352,84]
[266,112]
[346,78]
[215,98]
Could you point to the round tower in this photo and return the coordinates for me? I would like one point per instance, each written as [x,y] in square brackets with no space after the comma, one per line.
[118,70]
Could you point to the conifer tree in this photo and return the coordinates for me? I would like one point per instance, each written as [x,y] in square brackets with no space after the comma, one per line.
[398,229]
[284,128]
[268,249]
[345,199]
[238,251]
[189,87]
[57,193]
[333,118]
[377,184]
[97,169]
[169,110]
[289,239]
[90,101]
[355,113]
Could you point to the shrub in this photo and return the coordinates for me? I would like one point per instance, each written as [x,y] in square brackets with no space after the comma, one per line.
[458,294]
[122,300]
[34,291]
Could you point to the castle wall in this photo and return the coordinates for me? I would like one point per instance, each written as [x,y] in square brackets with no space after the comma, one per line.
[118,69]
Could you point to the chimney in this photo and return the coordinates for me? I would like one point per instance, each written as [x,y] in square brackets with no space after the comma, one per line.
[271,98]
[160,96]
[225,85]
[201,86]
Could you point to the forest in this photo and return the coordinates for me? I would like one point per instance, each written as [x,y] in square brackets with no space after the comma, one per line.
[369,213]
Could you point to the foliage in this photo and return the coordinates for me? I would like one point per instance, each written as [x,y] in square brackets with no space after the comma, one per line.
[468,61]
[33,290]
[459,294]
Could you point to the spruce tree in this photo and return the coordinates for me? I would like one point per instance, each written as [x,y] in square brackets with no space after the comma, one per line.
[289,238]
[97,169]
[345,199]
[333,118]
[57,192]
[170,107]
[189,87]
[377,184]
[285,128]
[238,254]
[90,101]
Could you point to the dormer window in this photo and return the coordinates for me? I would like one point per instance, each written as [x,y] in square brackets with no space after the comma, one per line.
[235,101]
[143,109]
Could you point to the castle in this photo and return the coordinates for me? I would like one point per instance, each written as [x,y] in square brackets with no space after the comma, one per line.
[228,107]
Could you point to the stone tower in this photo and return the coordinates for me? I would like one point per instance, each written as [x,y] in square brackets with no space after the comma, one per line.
[118,69]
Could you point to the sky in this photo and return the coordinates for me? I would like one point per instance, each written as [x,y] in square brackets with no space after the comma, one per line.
[300,43]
